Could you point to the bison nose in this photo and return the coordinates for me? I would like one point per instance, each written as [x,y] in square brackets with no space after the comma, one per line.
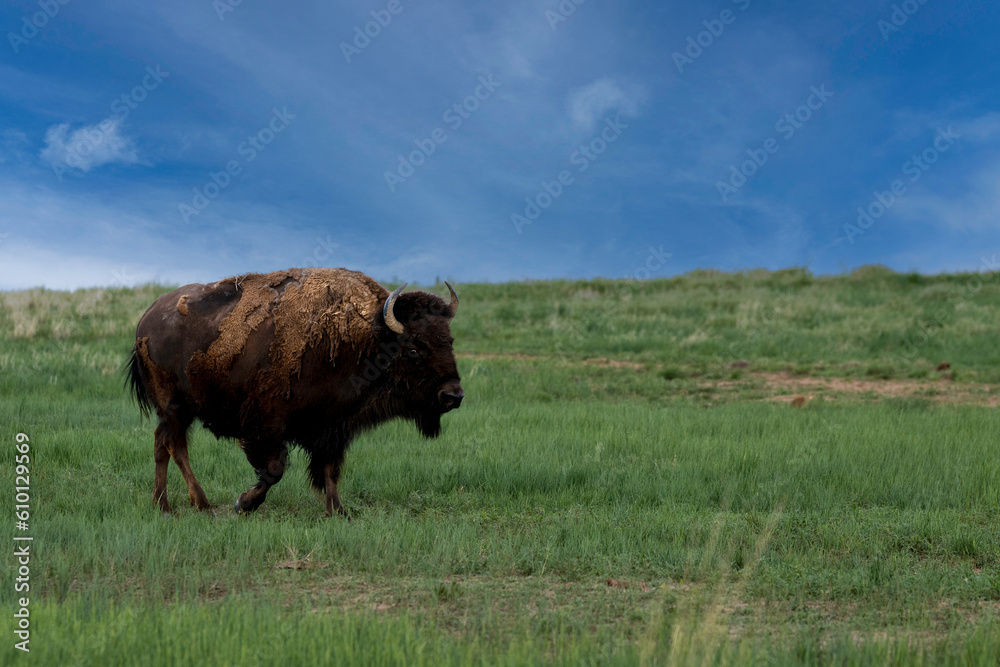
[451,397]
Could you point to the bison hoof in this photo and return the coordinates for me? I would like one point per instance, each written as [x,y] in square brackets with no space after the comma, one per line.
[246,505]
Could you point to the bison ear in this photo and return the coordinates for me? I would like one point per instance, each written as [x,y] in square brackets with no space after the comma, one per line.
[453,306]
[388,315]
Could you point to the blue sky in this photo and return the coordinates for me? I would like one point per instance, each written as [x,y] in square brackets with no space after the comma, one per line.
[187,141]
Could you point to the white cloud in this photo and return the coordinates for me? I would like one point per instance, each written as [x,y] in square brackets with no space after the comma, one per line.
[89,146]
[589,104]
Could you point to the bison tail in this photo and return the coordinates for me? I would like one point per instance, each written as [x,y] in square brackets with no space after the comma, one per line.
[135,384]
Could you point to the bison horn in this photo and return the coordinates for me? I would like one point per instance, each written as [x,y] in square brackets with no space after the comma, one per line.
[387,314]
[454,299]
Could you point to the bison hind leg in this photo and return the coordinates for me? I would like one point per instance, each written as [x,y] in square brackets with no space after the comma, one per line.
[170,440]
[161,457]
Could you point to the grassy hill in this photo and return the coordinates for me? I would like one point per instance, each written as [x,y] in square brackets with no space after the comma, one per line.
[762,466]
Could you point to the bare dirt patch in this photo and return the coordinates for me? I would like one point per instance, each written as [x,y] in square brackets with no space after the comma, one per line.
[604,362]
[490,355]
[625,583]
[790,388]
[800,390]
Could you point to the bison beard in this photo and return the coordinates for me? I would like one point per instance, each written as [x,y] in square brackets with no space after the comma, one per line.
[429,424]
[306,356]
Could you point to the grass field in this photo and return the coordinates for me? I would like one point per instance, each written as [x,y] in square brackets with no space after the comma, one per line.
[714,469]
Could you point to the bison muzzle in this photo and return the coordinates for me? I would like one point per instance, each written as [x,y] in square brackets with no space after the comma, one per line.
[306,356]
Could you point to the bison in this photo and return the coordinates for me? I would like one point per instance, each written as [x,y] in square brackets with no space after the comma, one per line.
[306,356]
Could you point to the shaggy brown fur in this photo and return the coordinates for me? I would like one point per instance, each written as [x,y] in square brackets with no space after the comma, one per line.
[306,306]
[299,356]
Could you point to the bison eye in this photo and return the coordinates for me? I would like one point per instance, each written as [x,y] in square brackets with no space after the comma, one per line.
[412,353]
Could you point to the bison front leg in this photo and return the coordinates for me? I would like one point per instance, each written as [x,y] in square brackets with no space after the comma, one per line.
[326,459]
[331,475]
[269,462]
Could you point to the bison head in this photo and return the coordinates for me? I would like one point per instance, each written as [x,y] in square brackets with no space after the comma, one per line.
[425,361]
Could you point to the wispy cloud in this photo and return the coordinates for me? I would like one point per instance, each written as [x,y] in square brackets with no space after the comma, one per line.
[589,104]
[976,207]
[966,198]
[984,128]
[318,194]
[89,146]
[13,144]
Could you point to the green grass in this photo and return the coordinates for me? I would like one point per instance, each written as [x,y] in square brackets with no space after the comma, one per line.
[613,490]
